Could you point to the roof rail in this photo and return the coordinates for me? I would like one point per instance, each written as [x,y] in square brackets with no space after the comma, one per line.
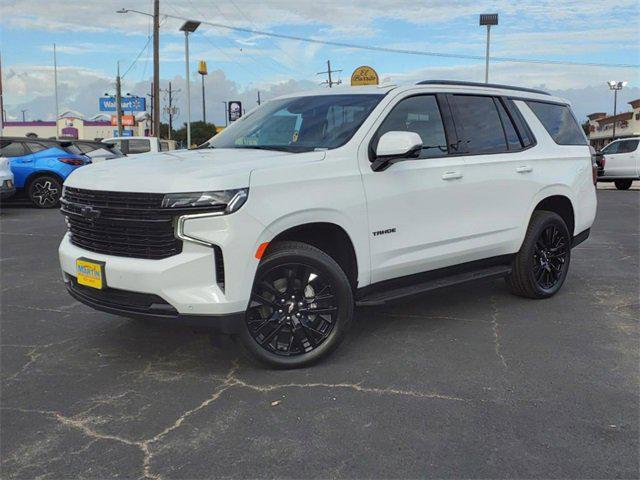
[478,84]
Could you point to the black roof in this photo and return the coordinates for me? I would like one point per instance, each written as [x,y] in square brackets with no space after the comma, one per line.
[478,84]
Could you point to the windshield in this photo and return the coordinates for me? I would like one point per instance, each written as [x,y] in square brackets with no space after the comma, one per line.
[299,124]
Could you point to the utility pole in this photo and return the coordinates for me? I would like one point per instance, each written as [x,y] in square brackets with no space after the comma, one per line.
[170,110]
[328,72]
[151,114]
[156,68]
[23,116]
[1,99]
[119,103]
[258,97]
[55,83]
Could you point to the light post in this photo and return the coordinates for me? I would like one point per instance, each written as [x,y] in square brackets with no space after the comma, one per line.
[23,116]
[488,19]
[226,114]
[615,86]
[189,26]
[202,70]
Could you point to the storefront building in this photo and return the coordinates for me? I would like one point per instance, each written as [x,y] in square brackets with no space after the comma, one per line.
[601,126]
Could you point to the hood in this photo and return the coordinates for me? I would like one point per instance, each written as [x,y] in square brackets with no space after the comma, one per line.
[183,170]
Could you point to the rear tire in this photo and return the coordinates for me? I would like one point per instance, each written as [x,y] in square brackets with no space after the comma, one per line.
[623,184]
[45,191]
[293,281]
[541,266]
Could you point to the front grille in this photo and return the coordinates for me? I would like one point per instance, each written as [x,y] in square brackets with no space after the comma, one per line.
[120,223]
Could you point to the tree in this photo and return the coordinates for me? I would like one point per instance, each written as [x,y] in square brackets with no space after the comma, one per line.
[200,133]
[585,127]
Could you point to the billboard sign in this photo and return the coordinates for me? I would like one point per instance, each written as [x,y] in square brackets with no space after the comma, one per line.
[125,133]
[127,120]
[235,110]
[364,75]
[128,104]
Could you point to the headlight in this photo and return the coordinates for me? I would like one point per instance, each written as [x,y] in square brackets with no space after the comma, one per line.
[227,200]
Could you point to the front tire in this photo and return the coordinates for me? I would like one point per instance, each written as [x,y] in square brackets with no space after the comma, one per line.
[623,184]
[300,309]
[541,266]
[45,191]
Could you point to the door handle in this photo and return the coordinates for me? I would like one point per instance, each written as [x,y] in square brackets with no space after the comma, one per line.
[452,175]
[524,169]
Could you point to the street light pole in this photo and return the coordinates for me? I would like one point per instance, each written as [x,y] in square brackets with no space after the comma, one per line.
[188,27]
[23,116]
[156,67]
[615,86]
[202,70]
[488,19]
[226,114]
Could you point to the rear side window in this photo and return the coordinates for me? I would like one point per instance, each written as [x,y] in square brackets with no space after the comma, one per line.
[559,122]
[478,124]
[9,149]
[139,146]
[628,146]
[164,146]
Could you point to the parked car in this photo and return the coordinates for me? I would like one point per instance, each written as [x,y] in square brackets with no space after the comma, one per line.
[7,187]
[96,151]
[317,202]
[621,163]
[131,146]
[40,167]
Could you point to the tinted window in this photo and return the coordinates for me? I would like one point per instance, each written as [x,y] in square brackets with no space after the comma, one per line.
[478,124]
[611,148]
[10,149]
[164,146]
[559,122]
[513,141]
[35,147]
[421,115]
[139,146]
[628,146]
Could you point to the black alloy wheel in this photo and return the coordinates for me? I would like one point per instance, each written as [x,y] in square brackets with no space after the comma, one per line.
[541,266]
[549,257]
[292,310]
[301,305]
[45,192]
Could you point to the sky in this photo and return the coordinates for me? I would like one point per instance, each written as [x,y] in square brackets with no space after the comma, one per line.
[92,38]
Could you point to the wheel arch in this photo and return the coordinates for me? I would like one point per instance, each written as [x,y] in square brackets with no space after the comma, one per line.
[561,205]
[41,173]
[328,236]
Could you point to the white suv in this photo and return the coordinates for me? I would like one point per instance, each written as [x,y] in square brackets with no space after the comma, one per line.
[317,202]
[621,163]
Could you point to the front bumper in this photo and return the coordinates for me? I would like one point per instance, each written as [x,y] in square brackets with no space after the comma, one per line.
[150,307]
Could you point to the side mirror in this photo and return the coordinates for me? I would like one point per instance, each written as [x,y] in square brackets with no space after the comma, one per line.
[394,147]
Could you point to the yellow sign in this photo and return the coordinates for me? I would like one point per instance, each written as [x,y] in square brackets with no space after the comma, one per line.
[364,76]
[202,68]
[90,273]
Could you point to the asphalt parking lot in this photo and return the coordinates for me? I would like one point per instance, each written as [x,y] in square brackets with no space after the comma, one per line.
[463,382]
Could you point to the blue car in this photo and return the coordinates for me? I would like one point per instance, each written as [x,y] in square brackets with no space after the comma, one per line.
[41,166]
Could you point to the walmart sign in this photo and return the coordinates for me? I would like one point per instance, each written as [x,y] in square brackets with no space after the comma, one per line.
[128,104]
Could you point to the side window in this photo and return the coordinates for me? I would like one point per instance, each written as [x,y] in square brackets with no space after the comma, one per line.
[513,141]
[9,149]
[478,124]
[139,146]
[419,114]
[611,148]
[35,147]
[164,146]
[124,145]
[628,146]
[559,122]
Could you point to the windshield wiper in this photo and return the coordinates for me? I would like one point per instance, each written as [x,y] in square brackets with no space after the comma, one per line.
[280,148]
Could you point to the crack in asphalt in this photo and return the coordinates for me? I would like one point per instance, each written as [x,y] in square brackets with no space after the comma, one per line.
[496,333]
[230,381]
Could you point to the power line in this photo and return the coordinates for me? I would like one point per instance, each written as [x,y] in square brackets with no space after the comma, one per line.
[411,52]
